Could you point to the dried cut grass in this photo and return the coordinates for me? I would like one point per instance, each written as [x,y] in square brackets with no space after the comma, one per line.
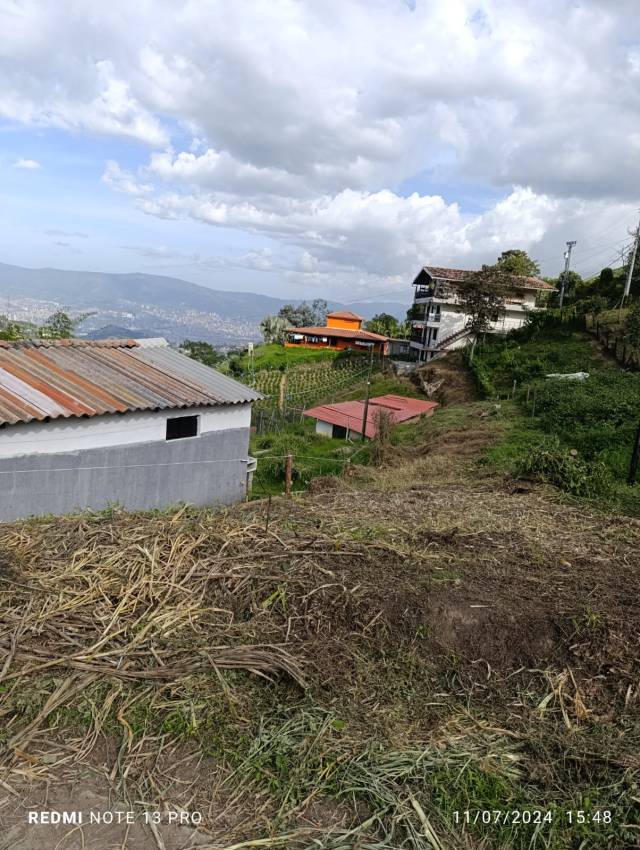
[467,599]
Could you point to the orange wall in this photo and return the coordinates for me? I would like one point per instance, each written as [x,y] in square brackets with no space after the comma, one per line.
[349,324]
[341,344]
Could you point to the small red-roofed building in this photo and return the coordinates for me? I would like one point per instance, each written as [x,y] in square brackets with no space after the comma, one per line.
[345,419]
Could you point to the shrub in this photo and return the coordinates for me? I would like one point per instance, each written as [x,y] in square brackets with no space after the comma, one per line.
[381,443]
[594,415]
[565,469]
[273,466]
[632,326]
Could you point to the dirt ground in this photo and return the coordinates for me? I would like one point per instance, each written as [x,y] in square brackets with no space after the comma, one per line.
[445,381]
[402,600]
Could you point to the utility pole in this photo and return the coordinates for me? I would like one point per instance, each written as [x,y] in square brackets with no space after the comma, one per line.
[632,262]
[567,260]
[365,414]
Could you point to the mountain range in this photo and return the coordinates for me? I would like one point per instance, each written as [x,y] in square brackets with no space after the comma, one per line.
[154,304]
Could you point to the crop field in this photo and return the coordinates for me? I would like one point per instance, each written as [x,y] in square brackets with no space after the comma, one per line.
[306,385]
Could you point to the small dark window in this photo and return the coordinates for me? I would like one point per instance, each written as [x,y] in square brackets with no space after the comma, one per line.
[182,426]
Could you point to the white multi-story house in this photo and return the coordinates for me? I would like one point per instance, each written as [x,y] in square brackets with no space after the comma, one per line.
[439,322]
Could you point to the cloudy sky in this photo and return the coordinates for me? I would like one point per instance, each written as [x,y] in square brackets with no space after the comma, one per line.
[316,147]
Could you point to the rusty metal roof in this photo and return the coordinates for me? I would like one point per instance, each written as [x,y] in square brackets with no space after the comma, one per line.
[51,379]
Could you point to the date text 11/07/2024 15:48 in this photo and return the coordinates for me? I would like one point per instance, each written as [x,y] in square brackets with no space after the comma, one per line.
[517,817]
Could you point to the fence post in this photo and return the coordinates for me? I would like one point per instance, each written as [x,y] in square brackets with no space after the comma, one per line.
[283,385]
[635,454]
[288,469]
[533,409]
[513,391]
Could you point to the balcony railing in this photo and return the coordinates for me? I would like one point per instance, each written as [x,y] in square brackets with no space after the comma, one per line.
[424,292]
[438,291]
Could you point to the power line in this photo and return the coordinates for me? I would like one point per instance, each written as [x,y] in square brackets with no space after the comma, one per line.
[597,249]
[618,258]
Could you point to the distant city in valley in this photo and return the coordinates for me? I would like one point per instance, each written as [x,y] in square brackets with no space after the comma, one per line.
[150,305]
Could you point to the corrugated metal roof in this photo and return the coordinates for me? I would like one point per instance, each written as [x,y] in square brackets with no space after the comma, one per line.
[49,379]
[349,414]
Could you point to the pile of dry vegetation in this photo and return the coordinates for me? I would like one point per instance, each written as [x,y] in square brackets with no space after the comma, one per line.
[377,658]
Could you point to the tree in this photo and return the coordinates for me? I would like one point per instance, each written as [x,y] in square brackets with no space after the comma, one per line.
[384,324]
[387,325]
[305,314]
[60,325]
[518,262]
[9,329]
[272,329]
[606,279]
[572,284]
[202,351]
[482,297]
[320,309]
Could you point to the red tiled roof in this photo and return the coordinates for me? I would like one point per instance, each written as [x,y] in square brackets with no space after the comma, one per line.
[344,314]
[349,414]
[459,275]
[51,379]
[343,333]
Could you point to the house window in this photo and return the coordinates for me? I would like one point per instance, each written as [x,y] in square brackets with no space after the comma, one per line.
[180,427]
[434,334]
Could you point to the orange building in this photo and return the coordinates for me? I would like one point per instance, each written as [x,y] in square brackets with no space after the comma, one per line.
[343,330]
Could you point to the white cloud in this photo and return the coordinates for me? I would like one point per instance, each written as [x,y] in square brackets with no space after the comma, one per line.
[27,164]
[122,181]
[306,122]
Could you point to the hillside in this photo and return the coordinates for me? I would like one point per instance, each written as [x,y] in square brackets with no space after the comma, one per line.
[175,308]
[86,289]
[360,669]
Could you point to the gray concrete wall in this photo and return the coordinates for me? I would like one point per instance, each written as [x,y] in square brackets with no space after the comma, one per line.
[143,475]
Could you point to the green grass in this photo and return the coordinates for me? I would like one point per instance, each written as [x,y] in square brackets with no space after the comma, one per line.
[313,455]
[274,356]
[527,356]
[384,384]
[581,436]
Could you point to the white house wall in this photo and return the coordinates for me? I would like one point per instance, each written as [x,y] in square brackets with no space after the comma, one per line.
[453,320]
[324,428]
[78,464]
[107,431]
